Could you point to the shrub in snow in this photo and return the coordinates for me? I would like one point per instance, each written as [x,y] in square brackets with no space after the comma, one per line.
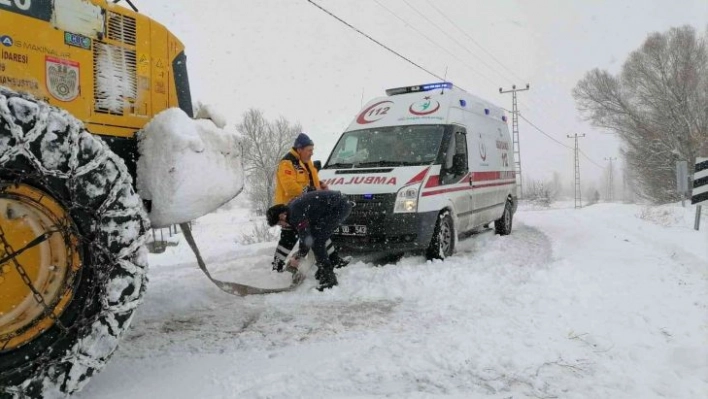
[261,233]
[540,193]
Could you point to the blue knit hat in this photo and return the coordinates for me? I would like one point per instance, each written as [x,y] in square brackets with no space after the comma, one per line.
[303,141]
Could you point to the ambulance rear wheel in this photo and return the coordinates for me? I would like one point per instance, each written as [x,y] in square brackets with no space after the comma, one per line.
[503,225]
[72,257]
[442,244]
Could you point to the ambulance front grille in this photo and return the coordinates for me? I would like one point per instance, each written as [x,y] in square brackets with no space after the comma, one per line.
[372,204]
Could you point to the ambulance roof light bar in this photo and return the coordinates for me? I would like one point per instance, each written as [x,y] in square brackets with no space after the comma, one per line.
[419,88]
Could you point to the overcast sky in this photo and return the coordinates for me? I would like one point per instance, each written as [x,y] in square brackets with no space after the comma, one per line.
[289,58]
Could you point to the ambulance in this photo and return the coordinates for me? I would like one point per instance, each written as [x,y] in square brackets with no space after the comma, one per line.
[423,165]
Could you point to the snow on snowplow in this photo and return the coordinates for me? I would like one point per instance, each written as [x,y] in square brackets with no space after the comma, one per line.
[181,160]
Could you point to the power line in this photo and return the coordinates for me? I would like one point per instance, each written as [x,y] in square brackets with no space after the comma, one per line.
[488,53]
[372,39]
[591,161]
[542,132]
[415,64]
[483,49]
[435,44]
[474,41]
[551,137]
[429,72]
[454,40]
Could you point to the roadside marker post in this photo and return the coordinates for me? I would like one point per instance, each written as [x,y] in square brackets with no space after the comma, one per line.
[700,188]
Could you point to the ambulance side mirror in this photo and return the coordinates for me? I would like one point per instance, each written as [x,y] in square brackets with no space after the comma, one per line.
[318,165]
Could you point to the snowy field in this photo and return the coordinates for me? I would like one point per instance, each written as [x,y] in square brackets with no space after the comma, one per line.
[610,301]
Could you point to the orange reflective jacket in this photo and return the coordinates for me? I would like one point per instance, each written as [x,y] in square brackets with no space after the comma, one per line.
[293,177]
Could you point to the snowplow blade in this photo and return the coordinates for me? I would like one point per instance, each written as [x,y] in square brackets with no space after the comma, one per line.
[187,168]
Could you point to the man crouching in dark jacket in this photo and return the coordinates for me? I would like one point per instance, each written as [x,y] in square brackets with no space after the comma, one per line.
[315,216]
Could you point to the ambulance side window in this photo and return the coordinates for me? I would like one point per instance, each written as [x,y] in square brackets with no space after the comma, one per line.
[455,166]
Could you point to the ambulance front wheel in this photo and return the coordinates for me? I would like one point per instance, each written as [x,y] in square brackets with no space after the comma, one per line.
[442,244]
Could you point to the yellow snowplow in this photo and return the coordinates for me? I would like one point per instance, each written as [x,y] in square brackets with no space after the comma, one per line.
[81,83]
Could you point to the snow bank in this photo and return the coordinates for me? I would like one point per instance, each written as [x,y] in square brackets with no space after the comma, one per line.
[669,215]
[187,168]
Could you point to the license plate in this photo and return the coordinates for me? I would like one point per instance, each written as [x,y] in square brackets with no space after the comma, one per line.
[351,230]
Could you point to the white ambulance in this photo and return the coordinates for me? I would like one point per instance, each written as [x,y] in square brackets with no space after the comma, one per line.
[424,165]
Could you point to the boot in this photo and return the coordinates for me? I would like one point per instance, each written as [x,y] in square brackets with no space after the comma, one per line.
[339,262]
[278,265]
[325,276]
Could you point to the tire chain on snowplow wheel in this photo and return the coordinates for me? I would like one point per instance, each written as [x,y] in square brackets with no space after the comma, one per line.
[110,282]
[13,254]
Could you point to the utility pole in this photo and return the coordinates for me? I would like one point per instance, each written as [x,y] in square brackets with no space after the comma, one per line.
[610,183]
[515,135]
[578,201]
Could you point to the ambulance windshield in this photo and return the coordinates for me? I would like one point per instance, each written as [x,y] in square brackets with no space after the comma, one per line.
[388,146]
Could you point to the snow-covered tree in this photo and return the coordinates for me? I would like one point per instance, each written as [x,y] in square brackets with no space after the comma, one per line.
[656,105]
[540,192]
[264,144]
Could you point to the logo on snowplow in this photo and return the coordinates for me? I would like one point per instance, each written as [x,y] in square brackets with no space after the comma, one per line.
[62,78]
[76,40]
[6,41]
[361,180]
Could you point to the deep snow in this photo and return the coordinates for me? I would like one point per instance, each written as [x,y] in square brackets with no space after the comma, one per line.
[610,301]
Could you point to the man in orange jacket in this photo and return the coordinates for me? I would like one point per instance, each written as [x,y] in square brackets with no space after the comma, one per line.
[296,174]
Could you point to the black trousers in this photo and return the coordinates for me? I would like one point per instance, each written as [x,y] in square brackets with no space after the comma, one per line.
[322,231]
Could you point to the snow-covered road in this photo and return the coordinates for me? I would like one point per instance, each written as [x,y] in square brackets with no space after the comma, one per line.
[610,301]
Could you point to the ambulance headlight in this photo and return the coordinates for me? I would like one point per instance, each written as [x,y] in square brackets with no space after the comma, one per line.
[407,200]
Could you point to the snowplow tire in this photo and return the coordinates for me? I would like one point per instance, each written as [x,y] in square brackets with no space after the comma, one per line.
[503,225]
[442,244]
[46,150]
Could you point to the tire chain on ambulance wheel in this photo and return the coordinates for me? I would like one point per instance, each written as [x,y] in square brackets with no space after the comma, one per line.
[47,148]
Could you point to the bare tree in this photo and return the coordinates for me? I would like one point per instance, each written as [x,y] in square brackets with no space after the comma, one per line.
[540,192]
[657,106]
[264,144]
